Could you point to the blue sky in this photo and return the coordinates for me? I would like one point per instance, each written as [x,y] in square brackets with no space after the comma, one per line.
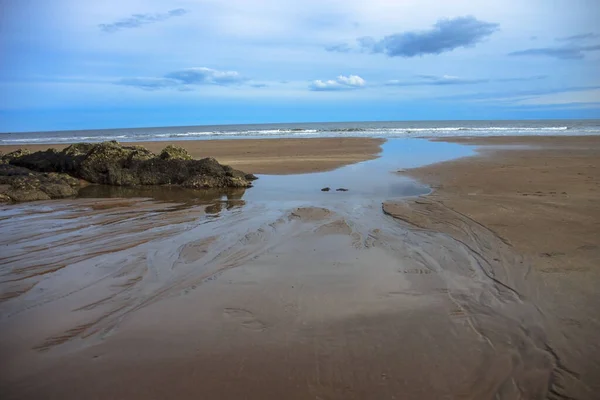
[72,64]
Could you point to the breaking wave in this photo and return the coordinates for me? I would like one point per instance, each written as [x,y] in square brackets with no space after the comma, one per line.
[232,132]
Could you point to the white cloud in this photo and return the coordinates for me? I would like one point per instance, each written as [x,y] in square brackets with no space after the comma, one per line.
[340,83]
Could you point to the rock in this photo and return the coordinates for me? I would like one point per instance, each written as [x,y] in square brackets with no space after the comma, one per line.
[7,158]
[103,163]
[57,190]
[43,161]
[25,182]
[233,172]
[22,184]
[112,164]
[341,190]
[78,149]
[139,153]
[26,195]
[57,173]
[62,178]
[325,189]
[174,153]
[8,171]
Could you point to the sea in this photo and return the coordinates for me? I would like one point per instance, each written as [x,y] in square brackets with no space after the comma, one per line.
[391,129]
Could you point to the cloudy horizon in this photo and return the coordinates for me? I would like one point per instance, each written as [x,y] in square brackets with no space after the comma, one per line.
[114,64]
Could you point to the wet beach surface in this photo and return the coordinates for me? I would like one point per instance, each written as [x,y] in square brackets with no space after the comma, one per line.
[278,291]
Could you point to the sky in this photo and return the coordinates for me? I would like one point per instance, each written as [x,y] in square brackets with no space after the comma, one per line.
[73,64]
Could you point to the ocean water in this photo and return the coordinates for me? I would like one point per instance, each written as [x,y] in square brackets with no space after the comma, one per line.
[406,129]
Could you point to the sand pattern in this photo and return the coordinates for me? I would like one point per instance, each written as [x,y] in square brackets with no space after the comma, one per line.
[330,268]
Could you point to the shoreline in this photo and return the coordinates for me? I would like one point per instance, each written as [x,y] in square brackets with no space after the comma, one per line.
[263,156]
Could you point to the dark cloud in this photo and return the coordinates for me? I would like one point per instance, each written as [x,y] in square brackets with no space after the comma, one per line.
[571,52]
[582,36]
[367,43]
[137,20]
[445,35]
[185,78]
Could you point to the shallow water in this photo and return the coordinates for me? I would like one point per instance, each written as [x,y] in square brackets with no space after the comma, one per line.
[373,180]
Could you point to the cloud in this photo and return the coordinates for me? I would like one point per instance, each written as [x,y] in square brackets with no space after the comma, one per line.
[205,76]
[516,94]
[522,79]
[570,52]
[183,79]
[445,35]
[137,20]
[449,80]
[582,36]
[339,48]
[149,83]
[435,80]
[340,83]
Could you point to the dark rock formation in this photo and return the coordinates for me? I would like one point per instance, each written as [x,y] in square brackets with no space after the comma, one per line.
[174,153]
[111,163]
[341,190]
[6,158]
[22,184]
[325,189]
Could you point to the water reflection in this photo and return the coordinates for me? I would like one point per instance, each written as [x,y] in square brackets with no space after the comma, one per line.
[217,200]
[372,180]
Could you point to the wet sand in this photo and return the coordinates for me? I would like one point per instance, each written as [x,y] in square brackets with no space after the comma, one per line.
[265,156]
[328,297]
[543,203]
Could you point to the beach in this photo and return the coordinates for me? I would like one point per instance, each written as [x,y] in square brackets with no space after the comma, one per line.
[473,275]
[540,196]
[262,156]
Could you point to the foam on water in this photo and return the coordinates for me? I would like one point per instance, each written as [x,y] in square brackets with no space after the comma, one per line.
[342,129]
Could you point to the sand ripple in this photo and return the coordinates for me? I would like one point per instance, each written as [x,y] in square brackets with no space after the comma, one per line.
[312,302]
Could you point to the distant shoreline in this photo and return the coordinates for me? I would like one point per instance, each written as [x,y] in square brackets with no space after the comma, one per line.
[383,130]
[300,124]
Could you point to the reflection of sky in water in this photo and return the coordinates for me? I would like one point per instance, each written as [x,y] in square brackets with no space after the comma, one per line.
[369,180]
[373,179]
